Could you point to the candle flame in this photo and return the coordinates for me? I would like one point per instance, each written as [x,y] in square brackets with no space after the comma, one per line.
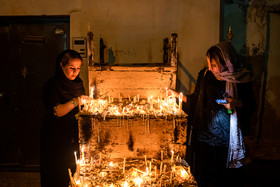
[111,164]
[125,184]
[138,181]
[184,174]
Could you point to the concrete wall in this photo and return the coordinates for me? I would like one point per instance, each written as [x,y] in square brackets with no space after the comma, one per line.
[135,29]
[255,24]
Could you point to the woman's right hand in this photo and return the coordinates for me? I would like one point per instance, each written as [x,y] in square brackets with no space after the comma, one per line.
[81,99]
[171,92]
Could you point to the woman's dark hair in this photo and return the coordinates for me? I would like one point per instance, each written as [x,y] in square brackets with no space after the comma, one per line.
[64,58]
[216,54]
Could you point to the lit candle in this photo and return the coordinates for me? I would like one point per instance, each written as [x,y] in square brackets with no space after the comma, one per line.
[180,101]
[161,155]
[150,166]
[124,165]
[71,178]
[160,168]
[78,167]
[166,93]
[83,155]
[155,171]
[145,160]
[91,92]
[120,97]
[91,162]
[172,155]
[79,101]
[229,29]
[138,97]
[75,153]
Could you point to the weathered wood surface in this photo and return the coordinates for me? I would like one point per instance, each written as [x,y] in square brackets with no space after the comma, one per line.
[131,80]
[132,138]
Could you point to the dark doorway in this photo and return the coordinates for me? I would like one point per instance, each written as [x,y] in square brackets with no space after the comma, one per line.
[28,50]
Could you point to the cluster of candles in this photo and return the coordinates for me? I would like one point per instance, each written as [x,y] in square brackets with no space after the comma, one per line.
[131,172]
[157,106]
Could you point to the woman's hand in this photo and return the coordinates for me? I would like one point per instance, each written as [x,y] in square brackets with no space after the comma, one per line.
[81,100]
[63,109]
[171,92]
[233,103]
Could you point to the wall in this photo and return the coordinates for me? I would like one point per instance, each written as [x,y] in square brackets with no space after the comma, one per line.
[135,29]
[256,41]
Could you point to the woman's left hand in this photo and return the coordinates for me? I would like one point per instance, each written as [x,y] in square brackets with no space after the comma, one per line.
[233,103]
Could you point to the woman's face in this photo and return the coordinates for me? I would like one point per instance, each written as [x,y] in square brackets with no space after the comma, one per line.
[215,68]
[72,69]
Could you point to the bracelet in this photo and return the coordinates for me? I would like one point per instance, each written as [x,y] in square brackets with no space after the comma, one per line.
[55,110]
[74,103]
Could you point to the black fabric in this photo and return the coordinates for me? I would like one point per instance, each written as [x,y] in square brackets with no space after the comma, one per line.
[210,167]
[214,130]
[210,122]
[59,135]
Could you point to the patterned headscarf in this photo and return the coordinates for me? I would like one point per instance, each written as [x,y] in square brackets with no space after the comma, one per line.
[232,75]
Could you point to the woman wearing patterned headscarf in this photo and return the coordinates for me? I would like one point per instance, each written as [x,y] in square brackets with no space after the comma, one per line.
[217,129]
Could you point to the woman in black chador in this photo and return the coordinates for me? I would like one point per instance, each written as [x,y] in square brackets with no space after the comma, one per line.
[59,136]
[220,110]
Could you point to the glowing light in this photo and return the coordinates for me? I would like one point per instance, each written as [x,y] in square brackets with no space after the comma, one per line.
[125,184]
[111,164]
[138,181]
[184,174]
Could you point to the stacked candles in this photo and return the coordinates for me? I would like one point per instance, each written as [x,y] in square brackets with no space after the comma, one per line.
[174,176]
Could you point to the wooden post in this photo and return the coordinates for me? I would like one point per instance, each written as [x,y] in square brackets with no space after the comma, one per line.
[90,48]
[229,34]
[173,58]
